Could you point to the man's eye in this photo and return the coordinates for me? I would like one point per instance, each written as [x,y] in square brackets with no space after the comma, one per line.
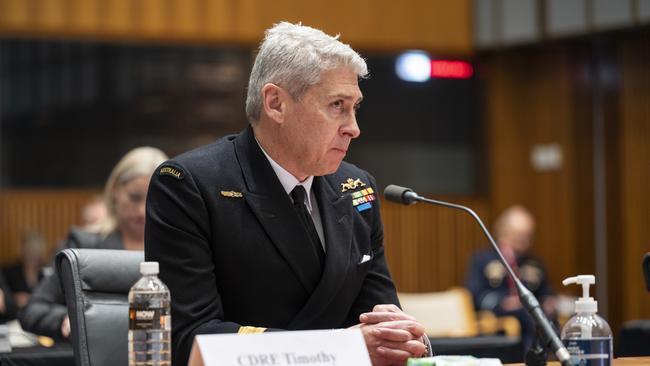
[338,104]
[357,106]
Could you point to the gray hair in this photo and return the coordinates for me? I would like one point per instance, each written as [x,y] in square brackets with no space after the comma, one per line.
[293,56]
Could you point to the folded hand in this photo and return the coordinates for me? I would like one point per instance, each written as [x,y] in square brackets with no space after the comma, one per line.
[391,335]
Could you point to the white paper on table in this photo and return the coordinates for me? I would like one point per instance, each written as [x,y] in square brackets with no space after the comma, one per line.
[303,348]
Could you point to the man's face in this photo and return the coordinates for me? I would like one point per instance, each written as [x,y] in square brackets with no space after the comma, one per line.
[318,128]
[519,233]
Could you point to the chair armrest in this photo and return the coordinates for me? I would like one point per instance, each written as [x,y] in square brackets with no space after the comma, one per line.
[489,323]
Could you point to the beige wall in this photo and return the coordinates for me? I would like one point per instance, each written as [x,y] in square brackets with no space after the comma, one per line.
[443,26]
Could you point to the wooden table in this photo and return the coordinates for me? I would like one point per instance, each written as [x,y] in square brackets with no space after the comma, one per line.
[624,361]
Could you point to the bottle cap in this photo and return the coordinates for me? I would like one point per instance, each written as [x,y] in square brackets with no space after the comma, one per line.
[585,304]
[149,268]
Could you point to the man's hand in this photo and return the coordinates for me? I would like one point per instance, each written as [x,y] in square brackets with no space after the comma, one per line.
[391,335]
[511,303]
[65,327]
[549,305]
[384,313]
[21,298]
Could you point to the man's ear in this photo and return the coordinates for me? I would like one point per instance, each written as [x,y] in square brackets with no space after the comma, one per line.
[274,102]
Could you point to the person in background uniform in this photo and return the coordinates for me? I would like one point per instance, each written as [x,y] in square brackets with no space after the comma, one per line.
[93,216]
[489,283]
[123,228]
[93,213]
[269,229]
[23,276]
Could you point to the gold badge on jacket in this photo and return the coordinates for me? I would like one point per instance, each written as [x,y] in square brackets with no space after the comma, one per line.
[361,199]
[231,194]
[351,184]
[495,272]
[532,275]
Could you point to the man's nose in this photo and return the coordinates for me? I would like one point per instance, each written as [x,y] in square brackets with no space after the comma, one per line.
[351,127]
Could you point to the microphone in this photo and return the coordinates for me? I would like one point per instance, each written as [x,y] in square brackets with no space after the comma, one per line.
[407,196]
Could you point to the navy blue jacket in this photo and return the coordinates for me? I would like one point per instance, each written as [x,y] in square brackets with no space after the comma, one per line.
[233,253]
[487,279]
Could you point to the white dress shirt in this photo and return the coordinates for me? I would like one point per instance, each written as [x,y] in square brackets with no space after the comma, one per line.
[289,182]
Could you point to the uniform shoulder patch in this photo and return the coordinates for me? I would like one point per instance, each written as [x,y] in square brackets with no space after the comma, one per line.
[171,171]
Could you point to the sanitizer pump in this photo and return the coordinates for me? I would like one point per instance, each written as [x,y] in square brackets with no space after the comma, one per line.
[586,335]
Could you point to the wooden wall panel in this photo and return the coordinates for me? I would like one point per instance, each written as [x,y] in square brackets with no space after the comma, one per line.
[158,19]
[635,175]
[50,212]
[16,15]
[187,16]
[428,247]
[529,102]
[51,15]
[216,19]
[116,20]
[438,25]
[84,15]
[550,94]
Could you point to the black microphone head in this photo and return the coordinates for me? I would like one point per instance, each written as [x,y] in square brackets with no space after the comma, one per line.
[401,195]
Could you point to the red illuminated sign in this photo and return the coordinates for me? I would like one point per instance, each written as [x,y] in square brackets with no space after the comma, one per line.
[451,69]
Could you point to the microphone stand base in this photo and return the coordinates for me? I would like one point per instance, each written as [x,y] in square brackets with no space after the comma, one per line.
[536,355]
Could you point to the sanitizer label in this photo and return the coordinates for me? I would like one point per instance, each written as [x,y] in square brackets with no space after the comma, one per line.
[589,352]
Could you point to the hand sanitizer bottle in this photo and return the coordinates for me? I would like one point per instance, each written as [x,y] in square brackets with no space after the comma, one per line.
[586,335]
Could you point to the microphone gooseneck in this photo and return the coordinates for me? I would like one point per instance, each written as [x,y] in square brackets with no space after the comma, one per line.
[407,196]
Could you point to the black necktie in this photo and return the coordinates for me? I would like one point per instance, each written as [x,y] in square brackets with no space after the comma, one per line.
[298,195]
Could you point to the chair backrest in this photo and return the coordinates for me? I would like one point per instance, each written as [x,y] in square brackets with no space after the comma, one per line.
[443,314]
[96,283]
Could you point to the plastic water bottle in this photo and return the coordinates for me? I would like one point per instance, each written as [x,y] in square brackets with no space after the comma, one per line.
[587,336]
[149,320]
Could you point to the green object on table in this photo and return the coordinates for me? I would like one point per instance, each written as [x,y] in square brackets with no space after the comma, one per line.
[444,361]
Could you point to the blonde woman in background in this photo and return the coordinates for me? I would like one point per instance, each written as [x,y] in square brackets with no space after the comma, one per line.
[125,195]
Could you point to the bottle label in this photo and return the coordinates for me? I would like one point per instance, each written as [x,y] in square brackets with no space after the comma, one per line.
[589,352]
[149,318]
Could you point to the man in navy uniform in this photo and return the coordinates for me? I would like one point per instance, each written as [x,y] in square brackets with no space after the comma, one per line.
[269,229]
[489,283]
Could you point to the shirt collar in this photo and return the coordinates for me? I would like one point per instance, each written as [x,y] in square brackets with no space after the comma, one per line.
[288,181]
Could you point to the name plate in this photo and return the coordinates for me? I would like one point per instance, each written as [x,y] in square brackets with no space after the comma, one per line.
[296,348]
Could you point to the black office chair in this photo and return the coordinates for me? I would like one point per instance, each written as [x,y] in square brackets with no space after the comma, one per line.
[634,335]
[96,284]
